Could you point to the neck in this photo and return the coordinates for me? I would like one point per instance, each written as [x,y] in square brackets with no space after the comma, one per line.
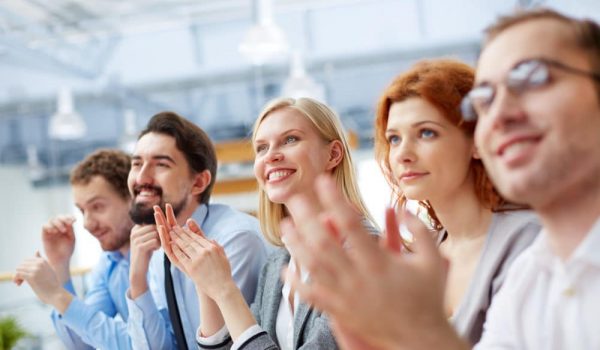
[310,198]
[568,219]
[187,212]
[124,250]
[462,215]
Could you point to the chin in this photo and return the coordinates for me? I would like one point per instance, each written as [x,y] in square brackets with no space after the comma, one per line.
[279,197]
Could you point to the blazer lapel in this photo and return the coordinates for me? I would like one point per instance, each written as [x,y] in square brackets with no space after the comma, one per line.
[273,287]
[302,314]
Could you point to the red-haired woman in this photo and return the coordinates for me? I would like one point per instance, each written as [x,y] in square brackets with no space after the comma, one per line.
[427,154]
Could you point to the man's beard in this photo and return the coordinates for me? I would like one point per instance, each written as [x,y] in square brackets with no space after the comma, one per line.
[143,213]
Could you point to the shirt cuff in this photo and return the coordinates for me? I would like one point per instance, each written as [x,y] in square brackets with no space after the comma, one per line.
[140,306]
[246,335]
[220,338]
[77,315]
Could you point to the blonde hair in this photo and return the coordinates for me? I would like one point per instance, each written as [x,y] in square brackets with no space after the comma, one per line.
[329,127]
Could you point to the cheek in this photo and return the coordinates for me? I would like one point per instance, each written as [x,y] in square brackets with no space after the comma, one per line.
[258,170]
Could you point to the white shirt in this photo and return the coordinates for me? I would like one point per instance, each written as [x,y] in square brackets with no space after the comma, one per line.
[284,325]
[546,303]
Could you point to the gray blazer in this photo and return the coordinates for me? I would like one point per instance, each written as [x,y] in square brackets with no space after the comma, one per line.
[311,328]
[509,234]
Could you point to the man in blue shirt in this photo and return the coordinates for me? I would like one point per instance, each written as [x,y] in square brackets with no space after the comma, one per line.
[175,162]
[100,192]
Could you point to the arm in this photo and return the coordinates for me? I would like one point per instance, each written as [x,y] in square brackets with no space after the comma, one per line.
[148,324]
[205,262]
[93,319]
[400,304]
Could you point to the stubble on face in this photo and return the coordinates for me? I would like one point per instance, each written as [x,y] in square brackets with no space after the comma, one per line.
[566,114]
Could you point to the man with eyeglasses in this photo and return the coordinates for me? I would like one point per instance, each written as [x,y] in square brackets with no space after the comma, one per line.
[537,102]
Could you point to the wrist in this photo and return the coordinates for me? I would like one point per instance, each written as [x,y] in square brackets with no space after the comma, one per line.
[227,292]
[138,285]
[63,272]
[61,300]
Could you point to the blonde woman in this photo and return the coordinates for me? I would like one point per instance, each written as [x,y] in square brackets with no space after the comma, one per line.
[295,140]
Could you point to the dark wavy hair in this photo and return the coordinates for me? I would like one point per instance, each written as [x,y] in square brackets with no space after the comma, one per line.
[192,141]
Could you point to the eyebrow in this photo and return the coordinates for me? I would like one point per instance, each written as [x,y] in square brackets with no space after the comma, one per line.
[156,157]
[289,131]
[93,199]
[417,124]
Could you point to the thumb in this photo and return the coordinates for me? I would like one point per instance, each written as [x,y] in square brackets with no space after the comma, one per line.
[194,227]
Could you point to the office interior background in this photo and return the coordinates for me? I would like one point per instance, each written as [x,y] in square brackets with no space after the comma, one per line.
[77,75]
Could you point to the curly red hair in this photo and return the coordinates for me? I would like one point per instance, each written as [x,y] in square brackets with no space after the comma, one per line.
[443,83]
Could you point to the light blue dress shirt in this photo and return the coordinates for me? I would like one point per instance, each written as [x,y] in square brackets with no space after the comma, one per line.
[149,324]
[99,320]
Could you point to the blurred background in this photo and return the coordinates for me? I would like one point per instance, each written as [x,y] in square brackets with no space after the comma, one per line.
[77,75]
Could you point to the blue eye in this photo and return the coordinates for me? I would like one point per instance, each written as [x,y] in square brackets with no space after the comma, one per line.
[428,133]
[290,139]
[393,139]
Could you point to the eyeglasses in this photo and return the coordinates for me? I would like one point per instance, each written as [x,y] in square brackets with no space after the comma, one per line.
[524,76]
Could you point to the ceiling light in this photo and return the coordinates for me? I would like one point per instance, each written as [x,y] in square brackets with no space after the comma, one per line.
[66,123]
[300,84]
[264,41]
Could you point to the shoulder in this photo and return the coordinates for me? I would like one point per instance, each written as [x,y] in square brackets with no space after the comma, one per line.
[224,220]
[515,225]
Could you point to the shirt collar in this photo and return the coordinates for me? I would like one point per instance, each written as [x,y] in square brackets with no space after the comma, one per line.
[199,215]
[587,251]
[116,256]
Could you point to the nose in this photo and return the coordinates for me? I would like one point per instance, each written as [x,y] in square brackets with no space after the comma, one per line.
[505,111]
[274,155]
[89,222]
[144,175]
[405,152]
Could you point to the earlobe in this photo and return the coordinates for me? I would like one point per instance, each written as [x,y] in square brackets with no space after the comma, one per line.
[201,182]
[475,153]
[336,154]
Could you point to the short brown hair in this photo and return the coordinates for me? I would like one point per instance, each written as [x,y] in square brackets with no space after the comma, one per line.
[111,164]
[586,32]
[443,83]
[191,140]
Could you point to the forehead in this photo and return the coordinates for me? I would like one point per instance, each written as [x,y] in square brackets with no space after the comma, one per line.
[98,187]
[412,110]
[283,120]
[547,38]
[154,144]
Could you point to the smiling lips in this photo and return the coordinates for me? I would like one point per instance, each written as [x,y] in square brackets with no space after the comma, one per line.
[278,174]
[517,149]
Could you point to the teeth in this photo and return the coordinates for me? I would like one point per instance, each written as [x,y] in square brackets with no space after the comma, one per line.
[516,148]
[278,174]
[147,193]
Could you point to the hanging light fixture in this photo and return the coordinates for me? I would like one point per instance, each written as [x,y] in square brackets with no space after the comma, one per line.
[300,84]
[129,137]
[264,41]
[66,123]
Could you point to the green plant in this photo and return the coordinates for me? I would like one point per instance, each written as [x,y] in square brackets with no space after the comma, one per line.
[10,332]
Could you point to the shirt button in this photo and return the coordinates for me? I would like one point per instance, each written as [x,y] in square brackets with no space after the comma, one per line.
[569,292]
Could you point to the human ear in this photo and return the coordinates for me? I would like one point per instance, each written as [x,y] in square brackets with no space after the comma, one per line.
[201,182]
[336,154]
